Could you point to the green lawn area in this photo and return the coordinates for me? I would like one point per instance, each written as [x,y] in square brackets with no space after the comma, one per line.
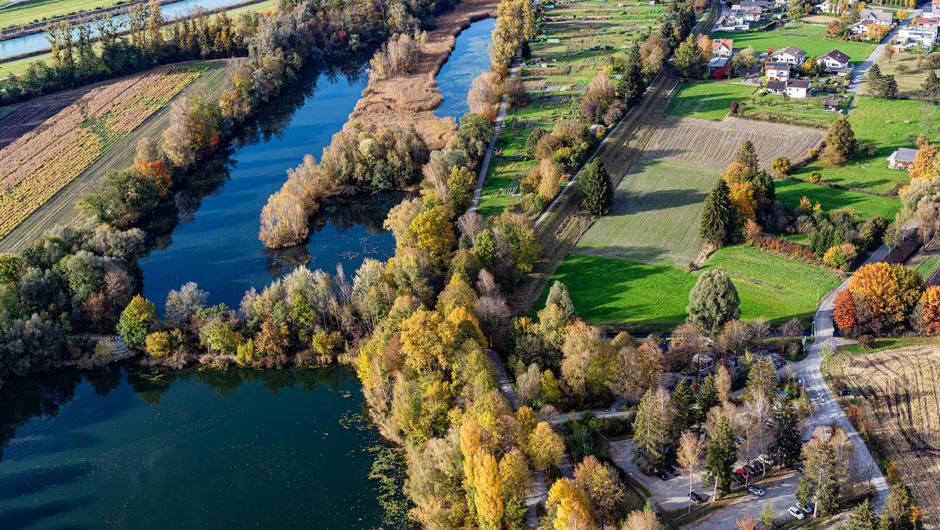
[813,44]
[808,112]
[656,214]
[644,297]
[707,100]
[928,265]
[908,82]
[866,206]
[793,285]
[881,122]
[35,11]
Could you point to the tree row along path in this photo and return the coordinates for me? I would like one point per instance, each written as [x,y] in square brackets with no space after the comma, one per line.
[565,220]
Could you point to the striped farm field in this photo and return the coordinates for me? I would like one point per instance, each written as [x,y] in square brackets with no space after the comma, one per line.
[35,167]
[901,387]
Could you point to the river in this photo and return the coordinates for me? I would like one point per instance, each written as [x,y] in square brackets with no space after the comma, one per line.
[126,446]
[37,41]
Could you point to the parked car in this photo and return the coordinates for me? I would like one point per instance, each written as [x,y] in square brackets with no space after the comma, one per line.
[739,440]
[673,469]
[742,472]
[662,475]
[799,467]
[767,459]
[755,491]
[753,470]
[802,507]
[696,498]
[796,513]
[740,479]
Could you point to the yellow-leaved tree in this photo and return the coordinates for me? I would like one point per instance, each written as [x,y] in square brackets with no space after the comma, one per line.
[569,508]
[487,490]
[430,230]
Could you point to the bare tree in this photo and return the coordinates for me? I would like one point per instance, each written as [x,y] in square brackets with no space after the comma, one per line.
[690,452]
[760,329]
[758,408]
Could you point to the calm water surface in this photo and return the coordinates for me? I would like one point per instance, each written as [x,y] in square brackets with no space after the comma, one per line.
[470,57]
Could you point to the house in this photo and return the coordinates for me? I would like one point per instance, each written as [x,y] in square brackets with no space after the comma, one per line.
[777,71]
[876,16]
[722,47]
[794,88]
[790,55]
[763,4]
[902,159]
[716,63]
[861,27]
[834,60]
[831,104]
[742,15]
[918,35]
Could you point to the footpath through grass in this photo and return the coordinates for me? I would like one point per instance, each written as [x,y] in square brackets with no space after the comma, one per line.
[643,297]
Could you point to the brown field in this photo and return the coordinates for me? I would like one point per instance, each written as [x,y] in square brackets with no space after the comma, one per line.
[23,118]
[819,19]
[902,389]
[715,143]
[40,163]
[413,98]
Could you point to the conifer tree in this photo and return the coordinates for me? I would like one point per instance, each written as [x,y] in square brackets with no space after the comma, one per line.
[632,84]
[652,427]
[682,401]
[559,296]
[596,189]
[747,156]
[707,397]
[787,444]
[930,88]
[713,302]
[722,455]
[720,216]
[862,517]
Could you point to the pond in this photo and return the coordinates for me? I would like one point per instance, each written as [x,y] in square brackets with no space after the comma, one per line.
[125,447]
[469,58]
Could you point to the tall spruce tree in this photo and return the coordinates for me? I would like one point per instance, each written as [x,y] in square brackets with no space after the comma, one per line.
[722,454]
[650,431]
[787,444]
[874,79]
[930,88]
[596,189]
[682,401]
[707,398]
[720,216]
[764,180]
[747,156]
[559,296]
[632,85]
[862,517]
[841,143]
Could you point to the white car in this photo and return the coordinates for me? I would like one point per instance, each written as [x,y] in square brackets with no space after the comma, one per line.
[796,513]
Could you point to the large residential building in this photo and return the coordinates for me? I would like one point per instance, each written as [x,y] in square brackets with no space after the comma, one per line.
[790,55]
[834,60]
[877,16]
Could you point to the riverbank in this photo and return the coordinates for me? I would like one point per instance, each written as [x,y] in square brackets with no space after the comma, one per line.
[413,98]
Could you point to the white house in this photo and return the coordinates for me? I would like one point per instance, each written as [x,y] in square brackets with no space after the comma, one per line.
[742,15]
[777,71]
[790,55]
[922,36]
[794,88]
[722,47]
[861,27]
[876,16]
[902,159]
[834,60]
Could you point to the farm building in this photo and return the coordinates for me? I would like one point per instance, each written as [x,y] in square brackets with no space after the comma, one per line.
[777,71]
[790,55]
[834,60]
[830,104]
[902,159]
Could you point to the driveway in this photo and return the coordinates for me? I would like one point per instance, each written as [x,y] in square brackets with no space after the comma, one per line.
[672,494]
[858,73]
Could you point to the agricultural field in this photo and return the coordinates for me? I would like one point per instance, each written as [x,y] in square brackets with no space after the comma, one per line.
[39,10]
[901,387]
[707,100]
[808,37]
[40,163]
[909,81]
[643,297]
[578,39]
[880,122]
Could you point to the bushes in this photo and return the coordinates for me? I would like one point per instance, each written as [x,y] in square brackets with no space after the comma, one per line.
[784,247]
[781,165]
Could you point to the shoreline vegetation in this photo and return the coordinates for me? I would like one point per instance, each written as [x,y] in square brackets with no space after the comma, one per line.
[418,328]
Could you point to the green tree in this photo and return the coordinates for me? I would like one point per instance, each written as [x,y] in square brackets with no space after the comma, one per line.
[136,321]
[559,296]
[633,84]
[930,88]
[862,517]
[720,216]
[689,57]
[787,443]
[762,376]
[820,478]
[682,401]
[652,427]
[747,156]
[533,140]
[810,67]
[707,397]
[722,454]
[713,301]
[596,189]
[485,247]
[841,144]
[897,513]
[874,79]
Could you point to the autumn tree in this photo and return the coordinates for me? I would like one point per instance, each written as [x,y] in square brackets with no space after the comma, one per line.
[923,166]
[689,456]
[597,192]
[638,369]
[841,144]
[147,151]
[136,322]
[748,523]
[487,492]
[568,507]
[545,447]
[642,520]
[810,67]
[927,311]
[431,231]
[713,301]
[484,94]
[762,376]
[588,362]
[601,485]
[723,384]
[720,215]
[844,312]
[689,57]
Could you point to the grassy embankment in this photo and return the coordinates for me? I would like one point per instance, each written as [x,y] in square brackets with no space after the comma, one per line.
[33,11]
[571,64]
[61,208]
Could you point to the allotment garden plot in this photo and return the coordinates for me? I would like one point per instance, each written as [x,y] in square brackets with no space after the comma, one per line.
[901,389]
[574,43]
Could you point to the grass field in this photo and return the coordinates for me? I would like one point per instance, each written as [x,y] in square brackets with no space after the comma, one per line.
[808,112]
[645,297]
[900,387]
[881,122]
[656,214]
[60,209]
[707,100]
[36,11]
[908,82]
[813,43]
[866,206]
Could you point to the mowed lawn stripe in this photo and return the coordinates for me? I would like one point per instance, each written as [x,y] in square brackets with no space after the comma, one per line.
[656,214]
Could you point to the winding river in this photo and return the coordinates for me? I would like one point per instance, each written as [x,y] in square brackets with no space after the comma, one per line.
[128,446]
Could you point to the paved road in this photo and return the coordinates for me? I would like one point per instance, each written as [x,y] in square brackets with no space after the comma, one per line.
[779,491]
[858,72]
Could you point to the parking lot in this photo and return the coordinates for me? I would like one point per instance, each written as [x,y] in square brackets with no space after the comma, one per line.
[672,494]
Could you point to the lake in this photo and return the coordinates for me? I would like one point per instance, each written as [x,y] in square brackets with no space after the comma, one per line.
[470,57]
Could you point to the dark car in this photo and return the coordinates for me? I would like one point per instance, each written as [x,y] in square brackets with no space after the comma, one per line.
[799,467]
[753,470]
[673,469]
[662,475]
[739,478]
[696,498]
